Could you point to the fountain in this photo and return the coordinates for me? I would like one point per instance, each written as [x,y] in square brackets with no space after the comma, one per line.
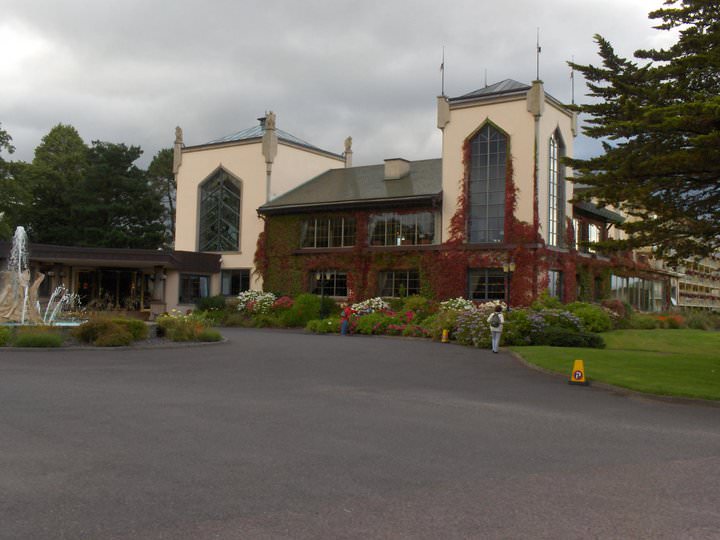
[19,295]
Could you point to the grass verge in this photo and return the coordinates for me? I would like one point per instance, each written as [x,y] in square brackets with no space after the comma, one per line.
[665,362]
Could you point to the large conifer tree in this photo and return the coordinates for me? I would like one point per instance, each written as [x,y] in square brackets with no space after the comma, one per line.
[659,120]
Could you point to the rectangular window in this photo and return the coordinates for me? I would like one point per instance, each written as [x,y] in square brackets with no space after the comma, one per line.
[327,232]
[399,283]
[593,235]
[233,282]
[641,294]
[328,283]
[193,287]
[555,284]
[391,229]
[486,284]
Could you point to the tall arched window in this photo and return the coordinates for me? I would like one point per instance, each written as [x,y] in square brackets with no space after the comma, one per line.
[556,193]
[220,213]
[486,221]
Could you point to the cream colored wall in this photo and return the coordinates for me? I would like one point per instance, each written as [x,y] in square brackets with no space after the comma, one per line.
[292,166]
[553,118]
[172,291]
[510,116]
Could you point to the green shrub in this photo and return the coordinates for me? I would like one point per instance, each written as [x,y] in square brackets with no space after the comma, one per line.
[237,319]
[374,323]
[556,336]
[266,320]
[138,329]
[422,307]
[115,336]
[104,332]
[517,329]
[209,334]
[445,319]
[37,337]
[181,327]
[395,304]
[5,335]
[594,318]
[305,308]
[545,301]
[643,322]
[415,330]
[330,325]
[472,329]
[211,303]
[702,320]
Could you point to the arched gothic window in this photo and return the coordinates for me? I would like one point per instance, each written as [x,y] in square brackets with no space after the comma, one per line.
[220,213]
[556,194]
[486,220]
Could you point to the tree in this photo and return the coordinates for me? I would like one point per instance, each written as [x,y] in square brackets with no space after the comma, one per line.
[660,127]
[161,177]
[53,179]
[118,206]
[7,186]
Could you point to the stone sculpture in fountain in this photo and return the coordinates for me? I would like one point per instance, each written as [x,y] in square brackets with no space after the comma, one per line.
[19,291]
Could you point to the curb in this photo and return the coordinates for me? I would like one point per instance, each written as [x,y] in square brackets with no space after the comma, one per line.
[619,390]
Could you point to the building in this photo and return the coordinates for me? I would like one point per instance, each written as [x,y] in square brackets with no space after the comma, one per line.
[220,185]
[492,219]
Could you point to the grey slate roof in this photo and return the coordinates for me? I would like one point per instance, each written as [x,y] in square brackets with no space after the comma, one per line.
[598,211]
[508,86]
[256,132]
[363,185]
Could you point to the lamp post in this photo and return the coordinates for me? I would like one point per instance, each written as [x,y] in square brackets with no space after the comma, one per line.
[322,278]
[508,268]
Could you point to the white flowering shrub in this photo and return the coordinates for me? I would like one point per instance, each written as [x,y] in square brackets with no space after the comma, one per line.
[371,305]
[255,301]
[457,304]
[490,305]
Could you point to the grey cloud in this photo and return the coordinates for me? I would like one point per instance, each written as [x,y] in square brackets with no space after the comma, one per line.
[130,71]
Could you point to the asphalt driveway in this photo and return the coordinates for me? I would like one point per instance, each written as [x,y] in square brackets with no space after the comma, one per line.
[289,435]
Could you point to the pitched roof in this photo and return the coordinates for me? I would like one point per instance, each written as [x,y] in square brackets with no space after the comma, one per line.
[256,133]
[362,186]
[508,86]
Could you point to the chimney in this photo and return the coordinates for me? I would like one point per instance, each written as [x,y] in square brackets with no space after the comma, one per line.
[396,168]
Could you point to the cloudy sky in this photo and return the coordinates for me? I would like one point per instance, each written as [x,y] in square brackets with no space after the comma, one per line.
[131,70]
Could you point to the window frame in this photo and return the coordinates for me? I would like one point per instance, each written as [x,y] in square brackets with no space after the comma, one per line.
[488,169]
[396,281]
[488,276]
[230,185]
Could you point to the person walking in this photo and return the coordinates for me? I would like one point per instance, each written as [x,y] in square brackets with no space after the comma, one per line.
[345,315]
[496,321]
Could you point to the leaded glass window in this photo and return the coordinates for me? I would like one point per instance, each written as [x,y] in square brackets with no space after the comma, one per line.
[392,229]
[328,283]
[328,232]
[556,194]
[220,213]
[486,220]
[486,284]
[399,283]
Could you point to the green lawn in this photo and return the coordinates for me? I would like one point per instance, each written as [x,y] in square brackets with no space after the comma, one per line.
[665,362]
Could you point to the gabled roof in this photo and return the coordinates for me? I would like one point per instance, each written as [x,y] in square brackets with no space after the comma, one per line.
[255,133]
[362,187]
[508,86]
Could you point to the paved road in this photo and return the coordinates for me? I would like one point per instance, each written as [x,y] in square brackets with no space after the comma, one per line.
[287,435]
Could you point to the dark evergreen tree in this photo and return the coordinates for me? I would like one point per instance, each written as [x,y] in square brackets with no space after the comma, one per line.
[659,120]
[54,180]
[12,194]
[118,207]
[160,174]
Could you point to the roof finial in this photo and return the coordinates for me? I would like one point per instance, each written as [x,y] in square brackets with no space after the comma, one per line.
[442,73]
[537,59]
